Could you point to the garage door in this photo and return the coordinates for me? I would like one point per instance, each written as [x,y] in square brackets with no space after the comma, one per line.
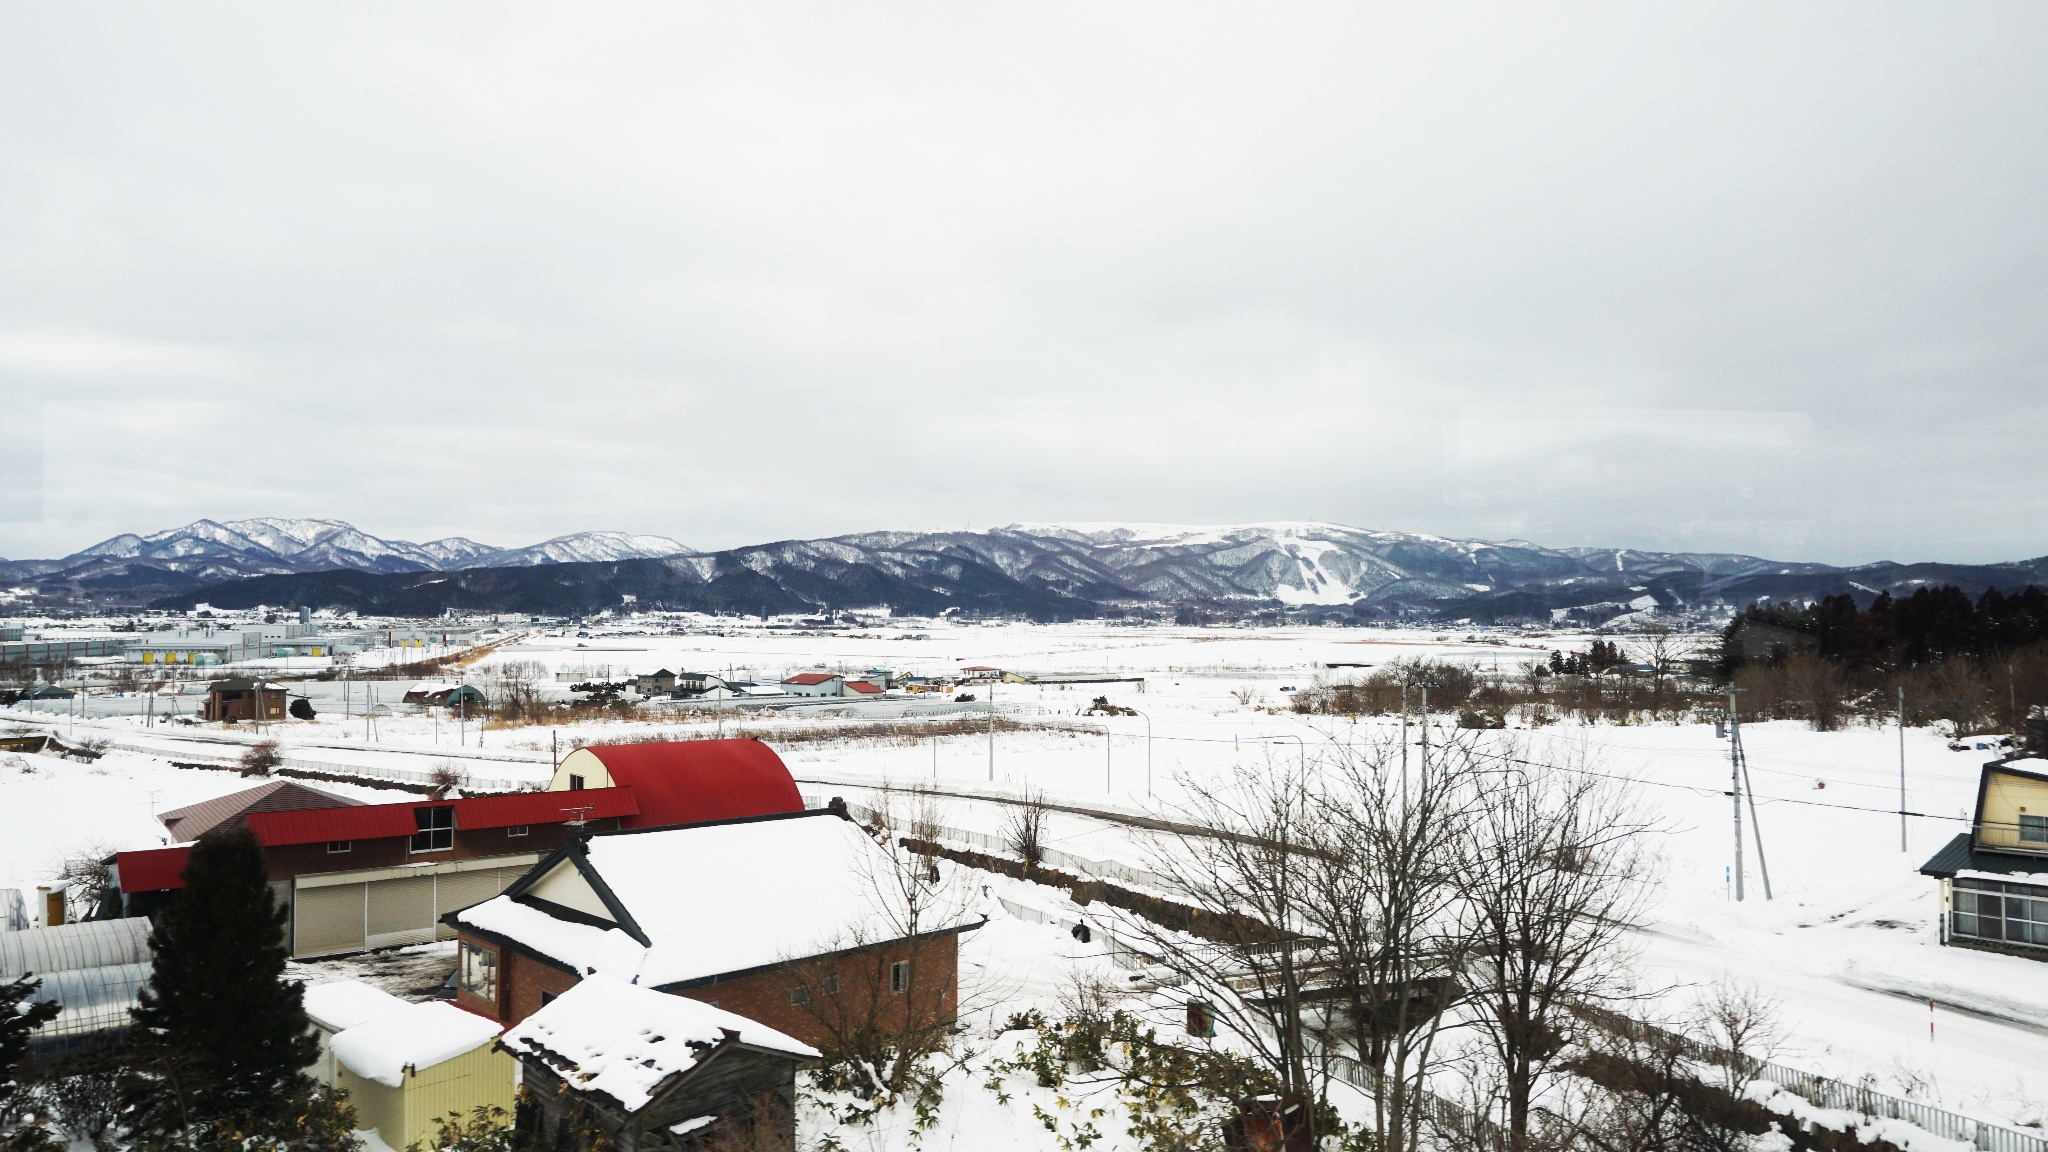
[457,890]
[328,920]
[401,912]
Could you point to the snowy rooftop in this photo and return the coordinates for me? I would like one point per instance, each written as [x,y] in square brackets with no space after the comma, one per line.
[715,899]
[422,1036]
[344,1004]
[624,1040]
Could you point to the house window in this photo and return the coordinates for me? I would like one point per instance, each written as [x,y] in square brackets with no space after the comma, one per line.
[336,847]
[2013,913]
[2034,829]
[478,968]
[801,994]
[575,783]
[899,976]
[436,829]
[546,997]
[516,830]
[832,984]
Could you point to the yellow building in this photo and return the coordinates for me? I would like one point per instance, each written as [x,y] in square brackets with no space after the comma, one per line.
[406,1066]
[1994,878]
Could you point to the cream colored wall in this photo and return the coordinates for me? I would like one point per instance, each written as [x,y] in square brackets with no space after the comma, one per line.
[480,1076]
[376,1106]
[566,886]
[2006,798]
[410,1114]
[582,762]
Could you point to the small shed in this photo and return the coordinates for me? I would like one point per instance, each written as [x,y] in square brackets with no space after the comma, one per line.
[241,698]
[406,1065]
[617,1063]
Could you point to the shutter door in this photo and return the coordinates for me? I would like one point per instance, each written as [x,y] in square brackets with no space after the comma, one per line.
[327,920]
[401,911]
[461,889]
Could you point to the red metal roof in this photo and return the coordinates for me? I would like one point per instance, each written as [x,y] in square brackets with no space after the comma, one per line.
[861,686]
[152,869]
[810,678]
[544,807]
[315,825]
[690,781]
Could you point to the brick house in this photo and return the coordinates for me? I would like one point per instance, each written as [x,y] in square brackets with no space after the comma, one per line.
[777,918]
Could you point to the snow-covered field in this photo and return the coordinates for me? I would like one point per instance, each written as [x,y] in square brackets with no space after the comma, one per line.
[1848,944]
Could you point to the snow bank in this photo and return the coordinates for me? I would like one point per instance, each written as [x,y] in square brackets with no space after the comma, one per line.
[420,1037]
[623,1040]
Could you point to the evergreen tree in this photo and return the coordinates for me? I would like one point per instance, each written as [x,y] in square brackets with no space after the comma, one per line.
[220,1035]
[18,1019]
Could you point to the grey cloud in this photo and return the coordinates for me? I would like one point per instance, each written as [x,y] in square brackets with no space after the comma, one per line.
[794,270]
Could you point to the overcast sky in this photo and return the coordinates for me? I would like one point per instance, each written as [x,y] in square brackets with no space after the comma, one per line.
[1748,277]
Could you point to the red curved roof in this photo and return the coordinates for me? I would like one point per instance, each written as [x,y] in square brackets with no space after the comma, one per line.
[690,781]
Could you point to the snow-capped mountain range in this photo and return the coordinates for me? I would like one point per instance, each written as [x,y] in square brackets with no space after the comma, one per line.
[206,550]
[1044,570]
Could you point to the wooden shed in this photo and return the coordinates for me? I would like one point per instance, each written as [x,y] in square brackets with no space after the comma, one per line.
[241,698]
[608,1063]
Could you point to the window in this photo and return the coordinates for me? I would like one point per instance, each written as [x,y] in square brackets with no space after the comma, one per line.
[477,969]
[1989,910]
[801,994]
[517,830]
[436,829]
[2034,829]
[899,977]
[575,783]
[546,997]
[336,847]
[832,984]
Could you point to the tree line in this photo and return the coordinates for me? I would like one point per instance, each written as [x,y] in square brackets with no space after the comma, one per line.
[1931,625]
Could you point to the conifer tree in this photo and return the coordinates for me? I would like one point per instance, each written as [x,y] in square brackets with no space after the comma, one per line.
[221,1035]
[18,1019]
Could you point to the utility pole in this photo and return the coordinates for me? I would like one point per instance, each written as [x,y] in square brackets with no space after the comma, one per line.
[1735,784]
[1763,866]
[1902,761]
[992,731]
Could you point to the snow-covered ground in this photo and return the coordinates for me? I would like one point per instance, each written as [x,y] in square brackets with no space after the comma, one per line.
[1848,942]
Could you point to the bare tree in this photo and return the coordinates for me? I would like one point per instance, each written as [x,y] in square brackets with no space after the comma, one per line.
[1251,955]
[1554,875]
[1383,897]
[1743,1023]
[1024,828]
[262,758]
[1662,648]
[82,871]
[884,995]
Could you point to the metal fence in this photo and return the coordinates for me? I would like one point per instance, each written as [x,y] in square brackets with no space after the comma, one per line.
[1826,1092]
[999,846]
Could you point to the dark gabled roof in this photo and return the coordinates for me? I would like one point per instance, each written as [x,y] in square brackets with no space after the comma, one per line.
[1959,856]
[194,820]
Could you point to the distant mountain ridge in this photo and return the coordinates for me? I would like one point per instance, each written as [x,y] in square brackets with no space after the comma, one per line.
[206,551]
[1050,571]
